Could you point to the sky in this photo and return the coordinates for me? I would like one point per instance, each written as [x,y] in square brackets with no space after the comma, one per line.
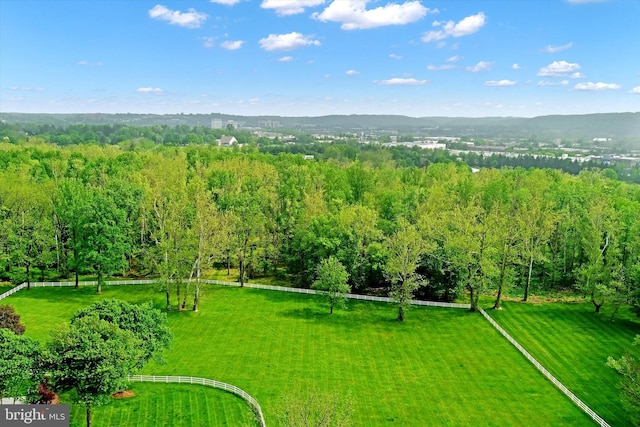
[457,58]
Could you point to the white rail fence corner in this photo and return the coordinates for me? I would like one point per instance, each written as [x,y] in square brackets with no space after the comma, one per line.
[597,418]
[206,382]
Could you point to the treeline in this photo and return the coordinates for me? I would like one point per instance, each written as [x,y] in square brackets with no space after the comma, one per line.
[136,138]
[175,212]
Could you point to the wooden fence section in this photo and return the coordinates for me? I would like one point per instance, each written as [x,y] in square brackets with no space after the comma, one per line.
[204,381]
[546,373]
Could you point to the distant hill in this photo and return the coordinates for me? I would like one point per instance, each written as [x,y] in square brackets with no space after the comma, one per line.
[611,125]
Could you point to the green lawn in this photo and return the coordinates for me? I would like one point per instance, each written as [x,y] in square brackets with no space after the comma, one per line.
[441,367]
[175,405]
[573,343]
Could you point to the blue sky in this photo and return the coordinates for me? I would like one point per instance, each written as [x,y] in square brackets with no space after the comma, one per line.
[469,58]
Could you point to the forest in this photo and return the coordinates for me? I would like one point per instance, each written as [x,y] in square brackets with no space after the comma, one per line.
[177,213]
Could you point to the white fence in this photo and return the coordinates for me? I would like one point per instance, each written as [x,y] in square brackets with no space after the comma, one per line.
[546,373]
[204,381]
[12,291]
[350,296]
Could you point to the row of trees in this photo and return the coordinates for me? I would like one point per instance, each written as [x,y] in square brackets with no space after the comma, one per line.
[174,213]
[92,355]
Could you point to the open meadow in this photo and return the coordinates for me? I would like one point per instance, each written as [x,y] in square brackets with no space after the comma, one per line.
[440,367]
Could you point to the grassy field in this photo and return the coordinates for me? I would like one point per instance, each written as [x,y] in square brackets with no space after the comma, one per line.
[441,367]
[178,405]
[573,343]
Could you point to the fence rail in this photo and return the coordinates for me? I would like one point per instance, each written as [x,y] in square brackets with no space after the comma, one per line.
[546,373]
[350,296]
[207,382]
[12,291]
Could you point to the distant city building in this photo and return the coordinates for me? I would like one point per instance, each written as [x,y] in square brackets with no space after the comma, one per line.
[216,124]
[269,124]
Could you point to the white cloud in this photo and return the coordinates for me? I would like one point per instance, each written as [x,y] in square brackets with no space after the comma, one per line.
[401,82]
[90,64]
[27,88]
[455,58]
[289,7]
[481,66]
[635,90]
[548,83]
[189,19]
[287,41]
[469,25]
[578,76]
[225,2]
[354,15]
[516,66]
[440,67]
[232,44]
[597,86]
[208,42]
[285,59]
[556,49]
[394,56]
[352,72]
[558,69]
[155,90]
[500,83]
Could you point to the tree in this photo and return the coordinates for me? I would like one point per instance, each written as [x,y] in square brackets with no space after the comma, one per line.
[93,357]
[314,409]
[629,368]
[106,239]
[9,319]
[148,325]
[404,250]
[332,281]
[18,355]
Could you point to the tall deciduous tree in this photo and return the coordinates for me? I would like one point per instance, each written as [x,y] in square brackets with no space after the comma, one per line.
[106,239]
[404,250]
[332,281]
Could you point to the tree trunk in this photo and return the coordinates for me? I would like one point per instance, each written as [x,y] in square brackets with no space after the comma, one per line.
[88,414]
[178,292]
[77,279]
[473,300]
[99,280]
[400,313]
[526,287]
[331,306]
[503,269]
[28,276]
[242,269]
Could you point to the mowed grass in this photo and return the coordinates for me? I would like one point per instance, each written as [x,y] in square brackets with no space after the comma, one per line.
[179,405]
[441,367]
[573,343]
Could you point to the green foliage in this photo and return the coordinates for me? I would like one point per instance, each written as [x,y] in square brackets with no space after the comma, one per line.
[314,408]
[18,364]
[628,367]
[92,357]
[332,282]
[147,324]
